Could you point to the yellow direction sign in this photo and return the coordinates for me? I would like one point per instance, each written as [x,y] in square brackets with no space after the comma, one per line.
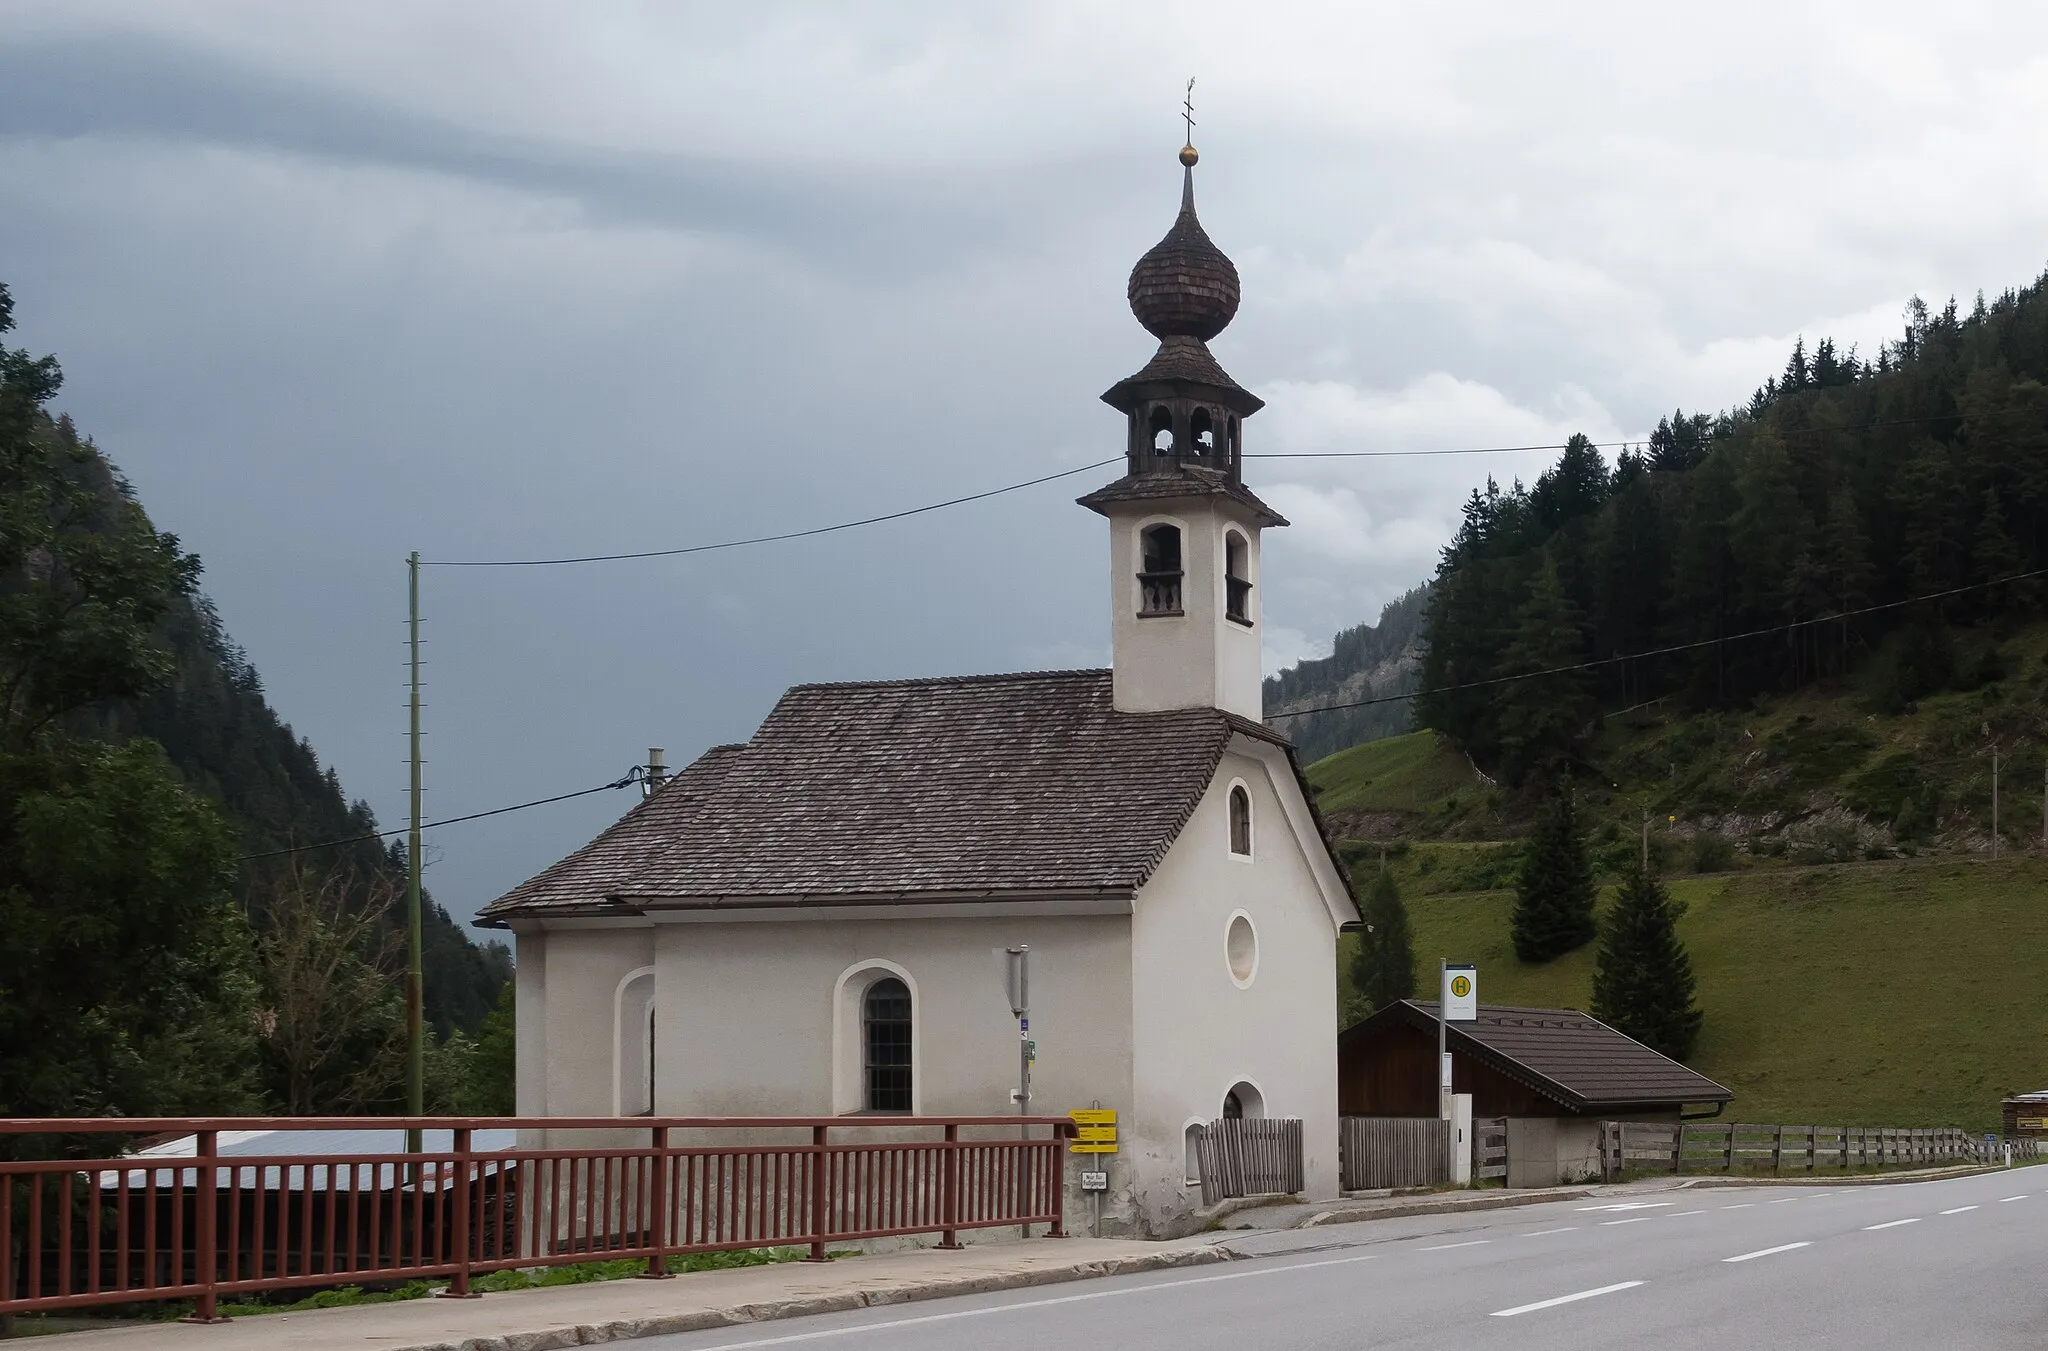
[1095,1130]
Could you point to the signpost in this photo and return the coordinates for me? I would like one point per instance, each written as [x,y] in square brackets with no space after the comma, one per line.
[1094,1130]
[1457,1002]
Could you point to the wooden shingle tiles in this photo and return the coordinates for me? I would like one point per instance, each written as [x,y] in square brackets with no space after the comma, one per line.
[960,788]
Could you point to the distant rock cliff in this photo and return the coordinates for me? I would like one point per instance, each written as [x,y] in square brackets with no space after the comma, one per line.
[1371,661]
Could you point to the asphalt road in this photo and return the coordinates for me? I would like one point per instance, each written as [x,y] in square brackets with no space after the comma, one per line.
[1947,1266]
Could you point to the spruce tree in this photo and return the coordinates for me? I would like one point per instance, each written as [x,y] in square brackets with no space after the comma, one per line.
[1642,978]
[1383,972]
[1554,892]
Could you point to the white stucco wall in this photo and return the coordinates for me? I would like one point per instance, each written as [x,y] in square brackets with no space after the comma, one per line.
[761,1018]
[580,972]
[1196,1032]
[1196,659]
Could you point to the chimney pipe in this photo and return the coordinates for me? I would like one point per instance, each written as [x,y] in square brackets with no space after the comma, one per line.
[657,771]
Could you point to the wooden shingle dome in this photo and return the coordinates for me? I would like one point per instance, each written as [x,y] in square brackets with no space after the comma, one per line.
[1184,286]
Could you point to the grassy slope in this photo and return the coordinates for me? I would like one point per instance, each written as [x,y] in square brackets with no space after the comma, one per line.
[1901,992]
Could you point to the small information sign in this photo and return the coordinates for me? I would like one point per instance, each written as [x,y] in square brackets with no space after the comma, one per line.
[1095,1182]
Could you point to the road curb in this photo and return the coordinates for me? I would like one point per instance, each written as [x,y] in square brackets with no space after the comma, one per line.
[1445,1206]
[699,1320]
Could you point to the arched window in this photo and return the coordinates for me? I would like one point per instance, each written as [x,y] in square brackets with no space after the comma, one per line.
[1162,430]
[1202,429]
[885,1041]
[633,1044]
[1160,571]
[1240,821]
[1244,1100]
[1237,581]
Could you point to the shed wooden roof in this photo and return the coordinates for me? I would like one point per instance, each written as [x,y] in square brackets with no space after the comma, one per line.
[996,787]
[1570,1057]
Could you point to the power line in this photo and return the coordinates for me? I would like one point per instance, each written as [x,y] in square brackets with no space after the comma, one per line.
[1492,681]
[765,539]
[620,782]
[1597,445]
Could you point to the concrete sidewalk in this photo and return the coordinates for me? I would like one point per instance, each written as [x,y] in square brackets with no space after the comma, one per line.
[609,1311]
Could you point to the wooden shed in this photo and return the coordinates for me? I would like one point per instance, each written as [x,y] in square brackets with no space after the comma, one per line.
[1515,1062]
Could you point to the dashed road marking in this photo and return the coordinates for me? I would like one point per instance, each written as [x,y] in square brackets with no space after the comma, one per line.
[1566,1229]
[1958,1210]
[2003,1199]
[1768,1252]
[1890,1224]
[1468,1243]
[1783,1200]
[1746,1205]
[1681,1214]
[1633,1219]
[1565,1299]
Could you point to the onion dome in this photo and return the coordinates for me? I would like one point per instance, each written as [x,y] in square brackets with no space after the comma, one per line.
[1185,286]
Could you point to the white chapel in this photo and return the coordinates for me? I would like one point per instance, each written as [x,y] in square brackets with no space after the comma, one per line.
[815,921]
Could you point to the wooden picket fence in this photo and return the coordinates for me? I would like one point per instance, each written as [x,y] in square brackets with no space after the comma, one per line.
[1392,1151]
[1718,1147]
[1250,1156]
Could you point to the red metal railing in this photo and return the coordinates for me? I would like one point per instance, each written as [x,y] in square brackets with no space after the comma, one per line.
[77,1233]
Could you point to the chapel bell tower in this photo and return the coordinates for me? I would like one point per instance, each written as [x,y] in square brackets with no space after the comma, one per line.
[1183,528]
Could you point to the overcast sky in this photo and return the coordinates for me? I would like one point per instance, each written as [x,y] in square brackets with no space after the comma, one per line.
[512,279]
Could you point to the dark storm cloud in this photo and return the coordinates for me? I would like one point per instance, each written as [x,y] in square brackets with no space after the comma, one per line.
[884,218]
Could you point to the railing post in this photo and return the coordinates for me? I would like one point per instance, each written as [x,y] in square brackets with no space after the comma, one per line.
[458,1286]
[206,1261]
[1056,1169]
[949,1188]
[818,1194]
[657,1224]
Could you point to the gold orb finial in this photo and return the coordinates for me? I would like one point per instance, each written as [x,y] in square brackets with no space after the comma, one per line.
[1189,156]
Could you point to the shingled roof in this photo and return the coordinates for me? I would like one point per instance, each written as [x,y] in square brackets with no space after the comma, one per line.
[1180,484]
[1570,1057]
[970,787]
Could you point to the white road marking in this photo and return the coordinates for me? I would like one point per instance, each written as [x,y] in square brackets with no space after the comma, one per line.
[1633,1219]
[1630,1205]
[2003,1199]
[1890,1224]
[1681,1214]
[1564,1299]
[1783,1200]
[1034,1304]
[1468,1243]
[1767,1252]
[1566,1229]
[1746,1205]
[1958,1210]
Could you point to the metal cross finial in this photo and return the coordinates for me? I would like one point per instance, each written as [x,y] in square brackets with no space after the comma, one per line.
[1187,110]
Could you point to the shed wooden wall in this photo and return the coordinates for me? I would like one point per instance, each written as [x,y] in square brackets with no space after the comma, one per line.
[1393,1074]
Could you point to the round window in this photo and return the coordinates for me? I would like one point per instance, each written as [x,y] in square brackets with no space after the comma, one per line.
[1241,949]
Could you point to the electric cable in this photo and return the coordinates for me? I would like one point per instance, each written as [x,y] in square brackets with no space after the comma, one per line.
[631,776]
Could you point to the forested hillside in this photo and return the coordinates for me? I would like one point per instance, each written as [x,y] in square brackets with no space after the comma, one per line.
[1369,661]
[170,949]
[1765,549]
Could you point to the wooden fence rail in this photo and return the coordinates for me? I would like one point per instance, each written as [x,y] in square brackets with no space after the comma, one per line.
[1250,1156]
[103,1227]
[1393,1151]
[1732,1147]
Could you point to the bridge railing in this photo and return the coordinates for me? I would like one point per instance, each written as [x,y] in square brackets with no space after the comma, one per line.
[104,1226]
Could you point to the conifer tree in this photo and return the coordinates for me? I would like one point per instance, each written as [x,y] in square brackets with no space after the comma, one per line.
[1643,983]
[1383,972]
[1554,892]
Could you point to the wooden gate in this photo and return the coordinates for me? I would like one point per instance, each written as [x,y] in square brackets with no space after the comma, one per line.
[1249,1156]
[1393,1151]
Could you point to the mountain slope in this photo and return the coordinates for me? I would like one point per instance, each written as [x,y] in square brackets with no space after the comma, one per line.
[1369,661]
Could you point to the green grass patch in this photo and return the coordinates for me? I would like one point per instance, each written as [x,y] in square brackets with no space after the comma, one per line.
[1902,993]
[576,1273]
[1409,773]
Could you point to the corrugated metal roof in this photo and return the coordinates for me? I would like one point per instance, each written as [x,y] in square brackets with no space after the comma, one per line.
[1570,1057]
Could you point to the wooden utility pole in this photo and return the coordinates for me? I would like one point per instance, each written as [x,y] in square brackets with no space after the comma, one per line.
[1994,802]
[415,1048]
